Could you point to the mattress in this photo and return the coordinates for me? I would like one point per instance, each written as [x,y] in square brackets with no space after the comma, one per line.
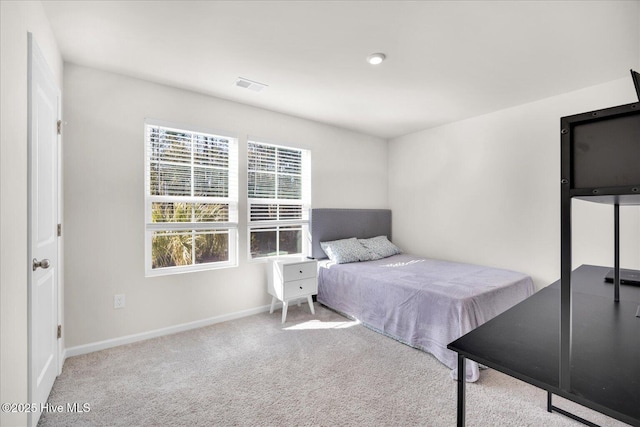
[425,303]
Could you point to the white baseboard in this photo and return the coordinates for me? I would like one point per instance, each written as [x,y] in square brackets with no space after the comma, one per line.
[128,339]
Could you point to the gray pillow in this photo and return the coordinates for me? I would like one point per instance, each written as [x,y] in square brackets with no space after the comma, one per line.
[381,246]
[347,250]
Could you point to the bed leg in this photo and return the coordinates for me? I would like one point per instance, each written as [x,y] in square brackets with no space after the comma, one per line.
[462,374]
[310,301]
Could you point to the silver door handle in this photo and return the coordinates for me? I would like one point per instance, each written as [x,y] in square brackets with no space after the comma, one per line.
[42,264]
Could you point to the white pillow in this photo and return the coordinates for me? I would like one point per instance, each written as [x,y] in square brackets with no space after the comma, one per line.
[381,246]
[346,250]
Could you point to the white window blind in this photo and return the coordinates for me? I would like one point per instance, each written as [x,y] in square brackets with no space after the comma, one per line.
[191,203]
[279,197]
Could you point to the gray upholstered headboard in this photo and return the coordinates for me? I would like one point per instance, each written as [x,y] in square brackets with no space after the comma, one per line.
[334,224]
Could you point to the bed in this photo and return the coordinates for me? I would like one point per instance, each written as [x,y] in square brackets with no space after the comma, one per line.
[425,303]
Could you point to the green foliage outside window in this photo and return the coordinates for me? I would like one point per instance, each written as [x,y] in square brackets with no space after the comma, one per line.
[173,248]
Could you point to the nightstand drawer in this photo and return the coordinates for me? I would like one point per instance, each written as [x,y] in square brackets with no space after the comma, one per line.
[303,270]
[299,288]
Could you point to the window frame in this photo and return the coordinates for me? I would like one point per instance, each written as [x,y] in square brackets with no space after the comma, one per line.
[229,227]
[277,225]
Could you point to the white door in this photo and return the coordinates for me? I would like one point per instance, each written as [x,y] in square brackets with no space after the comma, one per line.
[43,224]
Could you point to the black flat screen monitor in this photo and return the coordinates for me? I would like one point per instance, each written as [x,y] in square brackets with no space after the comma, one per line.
[605,149]
[636,82]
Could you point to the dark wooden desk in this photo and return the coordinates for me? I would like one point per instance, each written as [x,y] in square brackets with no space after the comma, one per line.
[523,342]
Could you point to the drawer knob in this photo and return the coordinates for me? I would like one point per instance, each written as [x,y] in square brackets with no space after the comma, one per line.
[300,287]
[300,271]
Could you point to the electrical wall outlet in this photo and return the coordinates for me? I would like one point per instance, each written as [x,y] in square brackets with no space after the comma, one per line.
[118,301]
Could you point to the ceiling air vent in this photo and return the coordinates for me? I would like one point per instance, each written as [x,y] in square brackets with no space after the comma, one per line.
[249,84]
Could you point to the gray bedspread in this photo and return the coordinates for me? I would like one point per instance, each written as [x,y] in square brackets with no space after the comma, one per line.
[424,303]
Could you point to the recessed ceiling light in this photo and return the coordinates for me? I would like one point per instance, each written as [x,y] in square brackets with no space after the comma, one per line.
[376,58]
[250,84]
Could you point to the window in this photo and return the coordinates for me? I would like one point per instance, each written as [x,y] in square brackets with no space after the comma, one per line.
[191,202]
[279,195]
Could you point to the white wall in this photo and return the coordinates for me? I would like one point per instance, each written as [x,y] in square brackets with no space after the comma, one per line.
[16,19]
[104,195]
[487,190]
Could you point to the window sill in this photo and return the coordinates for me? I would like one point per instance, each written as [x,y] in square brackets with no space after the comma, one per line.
[170,271]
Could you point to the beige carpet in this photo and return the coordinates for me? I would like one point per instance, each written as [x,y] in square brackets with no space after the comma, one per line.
[319,370]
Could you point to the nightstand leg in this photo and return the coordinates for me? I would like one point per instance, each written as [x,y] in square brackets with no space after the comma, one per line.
[284,310]
[273,303]
[310,300]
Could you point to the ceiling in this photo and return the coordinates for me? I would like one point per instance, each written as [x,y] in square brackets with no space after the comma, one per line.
[446,60]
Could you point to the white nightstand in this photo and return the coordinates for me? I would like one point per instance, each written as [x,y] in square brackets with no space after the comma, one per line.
[290,279]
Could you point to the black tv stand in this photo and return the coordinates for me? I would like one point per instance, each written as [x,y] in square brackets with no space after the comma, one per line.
[604,377]
[575,338]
